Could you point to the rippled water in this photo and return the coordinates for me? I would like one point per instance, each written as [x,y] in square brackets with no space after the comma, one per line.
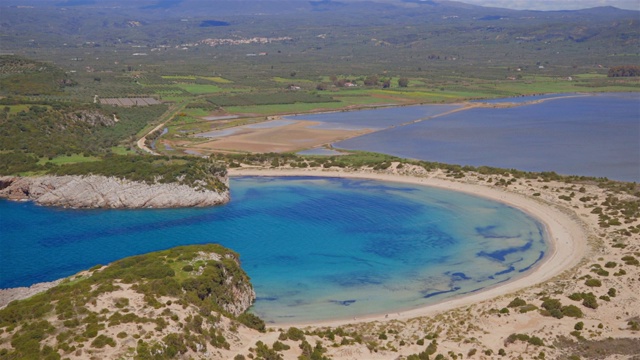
[315,248]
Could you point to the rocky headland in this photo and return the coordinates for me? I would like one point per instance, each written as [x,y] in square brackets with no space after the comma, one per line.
[95,191]
[185,302]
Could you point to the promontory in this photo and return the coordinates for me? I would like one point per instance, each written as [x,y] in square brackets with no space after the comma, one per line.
[197,183]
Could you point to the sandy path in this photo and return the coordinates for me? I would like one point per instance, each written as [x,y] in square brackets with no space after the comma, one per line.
[567,234]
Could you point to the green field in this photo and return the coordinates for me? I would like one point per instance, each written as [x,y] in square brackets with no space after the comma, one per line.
[198,89]
[69,159]
[283,108]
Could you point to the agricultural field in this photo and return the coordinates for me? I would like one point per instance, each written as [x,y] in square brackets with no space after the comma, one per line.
[331,61]
[126,102]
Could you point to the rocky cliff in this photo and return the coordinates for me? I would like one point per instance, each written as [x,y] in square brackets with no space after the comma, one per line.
[107,192]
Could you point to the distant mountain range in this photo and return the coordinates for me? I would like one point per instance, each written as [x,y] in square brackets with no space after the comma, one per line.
[415,28]
[247,7]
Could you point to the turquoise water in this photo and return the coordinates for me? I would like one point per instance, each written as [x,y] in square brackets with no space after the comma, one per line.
[315,248]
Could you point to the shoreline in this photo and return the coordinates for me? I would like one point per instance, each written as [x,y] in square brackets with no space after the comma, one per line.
[567,239]
[24,292]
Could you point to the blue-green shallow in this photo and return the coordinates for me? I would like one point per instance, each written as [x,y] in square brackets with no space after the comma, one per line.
[315,248]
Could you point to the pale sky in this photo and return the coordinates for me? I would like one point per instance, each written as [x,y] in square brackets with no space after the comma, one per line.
[556,4]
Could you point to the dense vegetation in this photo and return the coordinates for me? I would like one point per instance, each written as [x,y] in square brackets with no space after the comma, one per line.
[19,76]
[289,97]
[624,71]
[51,129]
[77,315]
[198,173]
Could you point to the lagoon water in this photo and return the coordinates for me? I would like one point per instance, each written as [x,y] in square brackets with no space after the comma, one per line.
[374,118]
[591,135]
[315,248]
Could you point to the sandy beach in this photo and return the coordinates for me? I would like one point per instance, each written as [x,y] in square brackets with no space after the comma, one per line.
[477,326]
[480,326]
[568,238]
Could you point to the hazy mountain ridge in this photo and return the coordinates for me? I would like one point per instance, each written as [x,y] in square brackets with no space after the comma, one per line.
[118,21]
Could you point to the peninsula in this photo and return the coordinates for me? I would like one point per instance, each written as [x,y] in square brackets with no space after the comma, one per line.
[75,191]
[125,182]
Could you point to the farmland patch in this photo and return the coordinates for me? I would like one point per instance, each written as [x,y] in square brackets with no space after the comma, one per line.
[128,102]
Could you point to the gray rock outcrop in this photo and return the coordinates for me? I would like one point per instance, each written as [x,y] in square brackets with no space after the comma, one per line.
[106,192]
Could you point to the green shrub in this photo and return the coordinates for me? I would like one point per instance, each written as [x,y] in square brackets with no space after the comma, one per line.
[517,302]
[534,340]
[593,282]
[590,302]
[102,341]
[572,311]
[553,308]
[630,260]
[278,346]
[601,272]
[527,308]
[121,302]
[295,334]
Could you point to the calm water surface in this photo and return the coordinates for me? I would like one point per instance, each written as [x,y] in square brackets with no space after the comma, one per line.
[315,248]
[592,135]
[374,118]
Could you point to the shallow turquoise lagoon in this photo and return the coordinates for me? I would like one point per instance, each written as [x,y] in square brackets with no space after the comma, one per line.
[315,248]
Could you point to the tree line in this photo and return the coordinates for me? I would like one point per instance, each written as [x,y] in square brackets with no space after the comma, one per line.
[624,71]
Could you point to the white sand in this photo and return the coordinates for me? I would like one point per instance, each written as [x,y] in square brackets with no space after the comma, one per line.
[567,235]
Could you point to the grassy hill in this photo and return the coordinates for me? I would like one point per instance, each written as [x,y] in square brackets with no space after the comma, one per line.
[175,303]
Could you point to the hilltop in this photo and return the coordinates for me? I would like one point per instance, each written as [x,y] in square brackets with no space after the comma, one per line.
[184,302]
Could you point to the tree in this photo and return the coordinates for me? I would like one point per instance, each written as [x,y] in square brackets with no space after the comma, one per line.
[371,80]
[403,82]
[624,71]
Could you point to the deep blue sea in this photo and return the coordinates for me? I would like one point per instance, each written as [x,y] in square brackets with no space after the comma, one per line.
[591,135]
[315,248]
